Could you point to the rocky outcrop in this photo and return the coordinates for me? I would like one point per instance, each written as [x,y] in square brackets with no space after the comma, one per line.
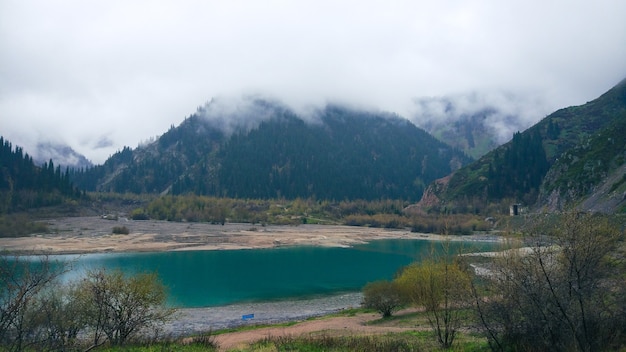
[430,198]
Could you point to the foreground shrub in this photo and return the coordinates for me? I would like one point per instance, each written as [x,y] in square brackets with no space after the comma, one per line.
[22,283]
[383,296]
[38,313]
[566,293]
[120,307]
[442,288]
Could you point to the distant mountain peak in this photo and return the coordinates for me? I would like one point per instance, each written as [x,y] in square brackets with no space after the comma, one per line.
[243,113]
[60,154]
[257,148]
[475,122]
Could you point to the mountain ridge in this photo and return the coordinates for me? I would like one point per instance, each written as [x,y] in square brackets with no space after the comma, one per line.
[569,130]
[61,154]
[339,153]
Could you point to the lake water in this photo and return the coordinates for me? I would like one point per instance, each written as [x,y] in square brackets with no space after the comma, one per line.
[217,278]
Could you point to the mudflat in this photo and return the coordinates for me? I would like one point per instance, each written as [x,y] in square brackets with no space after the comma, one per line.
[75,235]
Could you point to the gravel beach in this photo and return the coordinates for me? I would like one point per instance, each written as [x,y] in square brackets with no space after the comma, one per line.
[194,320]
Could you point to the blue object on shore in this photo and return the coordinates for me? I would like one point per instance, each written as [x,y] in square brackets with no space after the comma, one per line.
[247,317]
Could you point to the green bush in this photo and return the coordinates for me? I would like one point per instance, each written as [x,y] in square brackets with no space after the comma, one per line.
[121,230]
[139,214]
[384,296]
[15,225]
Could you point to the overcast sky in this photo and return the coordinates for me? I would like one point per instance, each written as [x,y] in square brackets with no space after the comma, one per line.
[99,75]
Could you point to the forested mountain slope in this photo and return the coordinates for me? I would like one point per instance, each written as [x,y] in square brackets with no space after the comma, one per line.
[592,174]
[23,185]
[579,147]
[337,153]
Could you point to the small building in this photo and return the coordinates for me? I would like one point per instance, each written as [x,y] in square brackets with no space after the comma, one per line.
[514,209]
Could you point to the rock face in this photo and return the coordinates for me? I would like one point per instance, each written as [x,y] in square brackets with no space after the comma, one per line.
[590,176]
[430,197]
[607,197]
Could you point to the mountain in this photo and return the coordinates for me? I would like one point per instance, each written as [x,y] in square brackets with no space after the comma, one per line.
[261,149]
[24,185]
[475,123]
[591,175]
[555,164]
[61,154]
[467,133]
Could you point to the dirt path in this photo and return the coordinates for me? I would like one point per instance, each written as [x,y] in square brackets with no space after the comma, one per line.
[334,326]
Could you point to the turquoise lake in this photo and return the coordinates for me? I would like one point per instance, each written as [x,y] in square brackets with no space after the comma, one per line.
[216,278]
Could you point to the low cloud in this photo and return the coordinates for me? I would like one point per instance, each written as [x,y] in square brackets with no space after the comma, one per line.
[503,113]
[73,70]
[103,142]
[233,113]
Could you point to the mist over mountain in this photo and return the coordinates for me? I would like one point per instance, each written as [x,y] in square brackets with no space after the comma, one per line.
[256,148]
[574,157]
[25,185]
[476,122]
[61,154]
[230,114]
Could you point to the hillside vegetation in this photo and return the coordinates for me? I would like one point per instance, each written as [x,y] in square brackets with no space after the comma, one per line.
[579,148]
[339,154]
[23,185]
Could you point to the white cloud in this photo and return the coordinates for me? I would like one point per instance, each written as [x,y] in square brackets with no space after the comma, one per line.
[86,71]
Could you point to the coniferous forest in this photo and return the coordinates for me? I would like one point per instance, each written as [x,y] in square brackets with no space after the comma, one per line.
[346,154]
[24,185]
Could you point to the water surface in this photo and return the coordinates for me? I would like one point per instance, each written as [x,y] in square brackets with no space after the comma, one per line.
[217,278]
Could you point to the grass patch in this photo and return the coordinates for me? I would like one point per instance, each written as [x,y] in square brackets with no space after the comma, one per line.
[393,342]
[406,320]
[159,347]
[17,225]
[255,327]
[350,312]
[409,341]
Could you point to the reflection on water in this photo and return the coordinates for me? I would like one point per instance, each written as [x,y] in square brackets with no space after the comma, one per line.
[215,278]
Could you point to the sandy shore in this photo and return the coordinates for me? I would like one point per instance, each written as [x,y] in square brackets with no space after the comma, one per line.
[79,235]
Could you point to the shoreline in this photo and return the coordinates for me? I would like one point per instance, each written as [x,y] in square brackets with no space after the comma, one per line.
[189,321]
[91,235]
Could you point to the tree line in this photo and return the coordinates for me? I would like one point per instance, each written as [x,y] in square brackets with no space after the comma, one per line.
[380,213]
[39,312]
[24,185]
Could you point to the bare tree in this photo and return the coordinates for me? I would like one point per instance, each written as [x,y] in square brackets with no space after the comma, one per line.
[564,292]
[119,307]
[21,281]
[58,318]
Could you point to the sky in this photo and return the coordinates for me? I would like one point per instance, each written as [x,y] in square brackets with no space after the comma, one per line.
[99,75]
